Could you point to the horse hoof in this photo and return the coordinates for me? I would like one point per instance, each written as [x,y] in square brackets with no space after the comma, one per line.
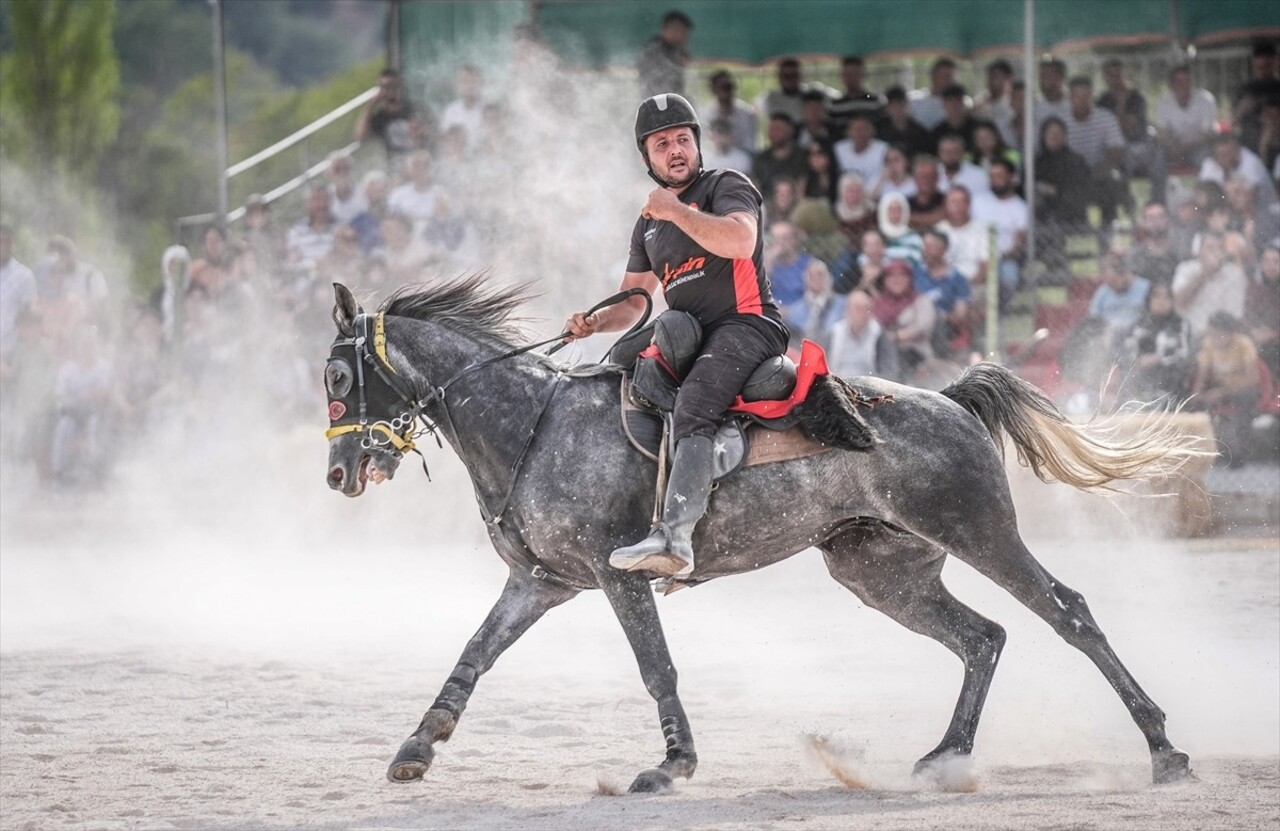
[651,781]
[412,762]
[1171,766]
[949,771]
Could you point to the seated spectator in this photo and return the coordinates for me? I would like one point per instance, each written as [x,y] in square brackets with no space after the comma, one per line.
[893,218]
[404,257]
[723,154]
[907,316]
[83,386]
[420,199]
[741,116]
[861,152]
[1053,100]
[212,270]
[1226,384]
[345,262]
[854,209]
[896,126]
[1186,119]
[858,345]
[1095,134]
[1257,228]
[1153,255]
[1142,155]
[391,117]
[788,97]
[346,200]
[467,110]
[1006,210]
[860,266]
[781,200]
[1158,351]
[1228,158]
[856,98]
[454,167]
[1120,299]
[927,202]
[955,169]
[375,186]
[786,263]
[1252,97]
[969,248]
[76,278]
[312,238]
[17,294]
[1209,284]
[947,288]
[956,120]
[260,233]
[995,106]
[812,315]
[989,146]
[814,126]
[896,176]
[783,158]
[1062,176]
[1262,311]
[662,61]
[927,105]
[820,182]
[1268,147]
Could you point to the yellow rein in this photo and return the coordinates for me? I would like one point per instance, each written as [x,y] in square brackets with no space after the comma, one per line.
[401,443]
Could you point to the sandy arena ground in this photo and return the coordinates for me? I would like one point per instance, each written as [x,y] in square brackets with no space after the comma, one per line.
[193,654]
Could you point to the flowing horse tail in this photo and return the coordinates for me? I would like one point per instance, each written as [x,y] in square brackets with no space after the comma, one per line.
[1087,456]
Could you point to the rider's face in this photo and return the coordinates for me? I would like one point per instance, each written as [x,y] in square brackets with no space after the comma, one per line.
[673,152]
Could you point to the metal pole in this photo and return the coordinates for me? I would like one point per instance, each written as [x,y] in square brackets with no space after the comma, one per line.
[1029,138]
[220,103]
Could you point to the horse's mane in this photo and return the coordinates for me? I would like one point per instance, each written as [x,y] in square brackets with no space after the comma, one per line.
[472,305]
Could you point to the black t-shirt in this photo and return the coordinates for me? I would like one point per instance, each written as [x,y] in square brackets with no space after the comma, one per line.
[392,125]
[709,287]
[913,137]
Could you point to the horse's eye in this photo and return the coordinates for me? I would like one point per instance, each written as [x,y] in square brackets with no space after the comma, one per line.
[337,378]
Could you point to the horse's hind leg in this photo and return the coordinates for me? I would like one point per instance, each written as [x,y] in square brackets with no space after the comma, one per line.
[524,600]
[1011,566]
[899,574]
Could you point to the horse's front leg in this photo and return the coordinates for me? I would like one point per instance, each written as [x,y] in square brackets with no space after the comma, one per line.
[524,599]
[632,601]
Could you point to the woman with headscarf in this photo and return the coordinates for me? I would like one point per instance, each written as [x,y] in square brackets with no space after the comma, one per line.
[854,210]
[893,217]
[908,316]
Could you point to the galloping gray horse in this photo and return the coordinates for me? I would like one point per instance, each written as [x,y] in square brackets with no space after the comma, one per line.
[560,488]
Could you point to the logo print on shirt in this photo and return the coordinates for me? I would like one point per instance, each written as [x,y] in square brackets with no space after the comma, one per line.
[688,265]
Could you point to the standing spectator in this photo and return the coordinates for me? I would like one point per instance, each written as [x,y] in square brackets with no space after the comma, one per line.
[420,198]
[861,152]
[893,218]
[375,188]
[1226,384]
[896,176]
[467,110]
[856,98]
[909,317]
[723,153]
[949,291]
[1142,155]
[345,199]
[969,248]
[1053,100]
[312,238]
[898,127]
[1121,298]
[664,57]
[1262,311]
[821,180]
[1153,256]
[927,202]
[854,210]
[956,119]
[390,116]
[1006,210]
[996,103]
[814,126]
[213,270]
[955,169]
[787,98]
[1209,284]
[926,104]
[1158,350]
[783,158]
[17,294]
[859,345]
[1095,134]
[741,116]
[1262,88]
[1186,119]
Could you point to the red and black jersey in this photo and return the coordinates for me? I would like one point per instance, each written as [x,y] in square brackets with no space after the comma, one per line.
[694,280]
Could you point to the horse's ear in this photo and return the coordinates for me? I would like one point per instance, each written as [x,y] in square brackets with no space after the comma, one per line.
[345,310]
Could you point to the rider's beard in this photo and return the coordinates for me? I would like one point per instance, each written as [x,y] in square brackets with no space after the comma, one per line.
[691,173]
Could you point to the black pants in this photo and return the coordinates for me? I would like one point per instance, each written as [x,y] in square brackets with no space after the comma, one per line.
[731,351]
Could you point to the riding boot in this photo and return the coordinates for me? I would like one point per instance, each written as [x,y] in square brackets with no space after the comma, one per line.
[668,550]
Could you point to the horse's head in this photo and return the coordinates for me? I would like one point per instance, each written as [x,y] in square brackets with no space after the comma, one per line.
[371,412]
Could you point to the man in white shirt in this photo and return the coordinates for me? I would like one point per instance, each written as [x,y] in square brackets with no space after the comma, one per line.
[17,292]
[742,118]
[970,247]
[420,199]
[467,110]
[311,240]
[1208,284]
[1186,119]
[1053,100]
[926,106]
[722,153]
[861,152]
[1228,158]
[1004,209]
[346,201]
[954,169]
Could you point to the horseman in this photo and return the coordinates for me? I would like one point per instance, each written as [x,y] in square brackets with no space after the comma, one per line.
[698,236]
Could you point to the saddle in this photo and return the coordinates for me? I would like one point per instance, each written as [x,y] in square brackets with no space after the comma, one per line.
[762,427]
